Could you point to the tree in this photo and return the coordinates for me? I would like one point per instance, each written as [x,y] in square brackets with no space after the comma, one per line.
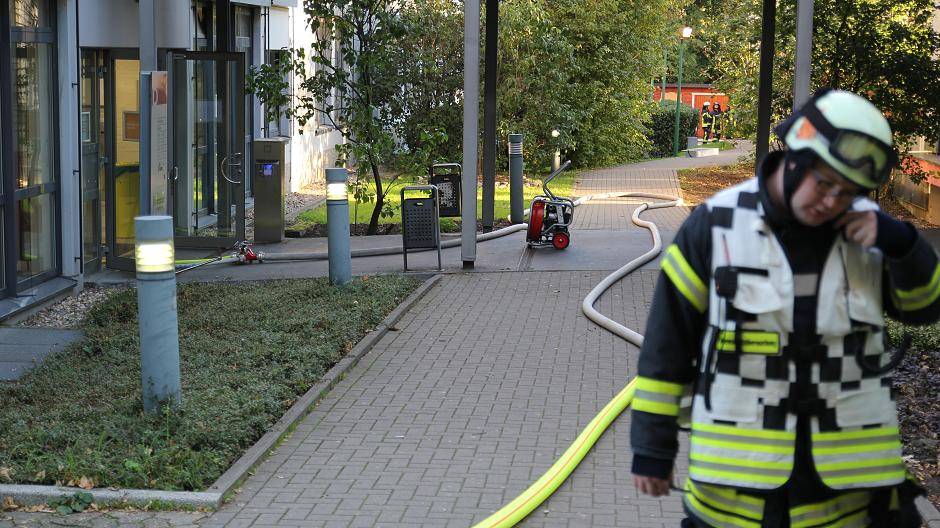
[885,50]
[582,67]
[354,85]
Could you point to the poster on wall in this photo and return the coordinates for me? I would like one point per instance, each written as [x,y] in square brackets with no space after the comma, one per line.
[159,158]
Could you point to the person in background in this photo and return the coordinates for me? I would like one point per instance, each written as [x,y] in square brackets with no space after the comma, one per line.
[718,124]
[707,121]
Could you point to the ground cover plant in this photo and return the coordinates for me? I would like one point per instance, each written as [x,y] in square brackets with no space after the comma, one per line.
[247,352]
[308,221]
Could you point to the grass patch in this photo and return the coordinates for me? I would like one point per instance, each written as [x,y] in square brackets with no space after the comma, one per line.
[78,418]
[563,185]
[700,183]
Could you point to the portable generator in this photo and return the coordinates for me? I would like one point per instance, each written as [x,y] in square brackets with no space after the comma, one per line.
[550,216]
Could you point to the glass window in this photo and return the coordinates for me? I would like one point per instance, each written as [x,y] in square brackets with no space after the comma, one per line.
[30,13]
[36,235]
[34,135]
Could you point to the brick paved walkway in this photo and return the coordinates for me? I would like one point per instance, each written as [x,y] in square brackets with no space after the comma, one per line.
[486,382]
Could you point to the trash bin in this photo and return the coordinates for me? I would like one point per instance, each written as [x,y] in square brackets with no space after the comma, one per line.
[420,225]
[270,178]
[446,177]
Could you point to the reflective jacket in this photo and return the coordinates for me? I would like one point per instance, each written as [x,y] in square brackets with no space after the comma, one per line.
[721,331]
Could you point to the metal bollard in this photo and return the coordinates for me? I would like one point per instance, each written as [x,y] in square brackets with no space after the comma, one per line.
[156,312]
[516,167]
[337,223]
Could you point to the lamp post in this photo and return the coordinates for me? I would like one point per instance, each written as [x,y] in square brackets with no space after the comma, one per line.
[337,223]
[556,159]
[156,312]
[685,35]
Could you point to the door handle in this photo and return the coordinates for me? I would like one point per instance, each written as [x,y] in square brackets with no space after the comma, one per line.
[233,163]
[176,173]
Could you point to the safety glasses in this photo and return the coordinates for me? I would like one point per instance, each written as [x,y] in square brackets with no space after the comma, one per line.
[855,149]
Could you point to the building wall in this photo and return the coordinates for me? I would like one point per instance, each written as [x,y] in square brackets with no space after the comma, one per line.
[114,24]
[313,147]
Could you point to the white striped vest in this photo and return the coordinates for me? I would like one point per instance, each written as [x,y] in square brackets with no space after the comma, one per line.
[743,415]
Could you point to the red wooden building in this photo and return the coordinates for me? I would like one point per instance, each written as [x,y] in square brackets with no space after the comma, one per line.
[694,95]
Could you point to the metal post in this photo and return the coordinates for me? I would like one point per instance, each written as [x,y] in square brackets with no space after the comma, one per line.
[471,130]
[765,83]
[804,52]
[146,17]
[662,86]
[491,65]
[516,168]
[156,312]
[675,139]
[337,223]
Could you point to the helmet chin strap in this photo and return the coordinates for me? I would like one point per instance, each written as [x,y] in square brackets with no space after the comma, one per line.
[794,167]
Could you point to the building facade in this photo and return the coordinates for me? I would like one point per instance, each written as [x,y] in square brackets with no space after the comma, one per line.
[71,131]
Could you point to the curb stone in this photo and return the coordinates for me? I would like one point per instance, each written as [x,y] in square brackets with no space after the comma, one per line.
[212,498]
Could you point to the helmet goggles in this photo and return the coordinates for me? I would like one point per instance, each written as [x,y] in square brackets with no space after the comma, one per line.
[855,149]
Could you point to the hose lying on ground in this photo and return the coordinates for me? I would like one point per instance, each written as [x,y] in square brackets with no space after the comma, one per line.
[530,499]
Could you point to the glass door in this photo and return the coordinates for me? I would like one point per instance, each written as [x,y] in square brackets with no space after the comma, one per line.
[123,162]
[94,158]
[207,114]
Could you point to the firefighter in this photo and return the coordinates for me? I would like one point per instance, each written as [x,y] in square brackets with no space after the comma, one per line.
[707,121]
[718,118]
[767,332]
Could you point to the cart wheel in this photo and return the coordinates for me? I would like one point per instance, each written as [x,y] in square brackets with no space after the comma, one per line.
[561,240]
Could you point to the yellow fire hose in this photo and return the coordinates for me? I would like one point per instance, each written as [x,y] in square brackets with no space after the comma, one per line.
[530,499]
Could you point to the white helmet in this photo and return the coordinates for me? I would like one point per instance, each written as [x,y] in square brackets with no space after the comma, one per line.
[847,132]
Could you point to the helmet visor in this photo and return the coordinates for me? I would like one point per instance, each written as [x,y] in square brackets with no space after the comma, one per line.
[864,152]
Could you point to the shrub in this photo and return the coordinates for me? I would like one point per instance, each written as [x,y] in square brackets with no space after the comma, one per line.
[662,126]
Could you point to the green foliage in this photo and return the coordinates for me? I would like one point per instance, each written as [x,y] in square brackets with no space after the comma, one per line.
[78,417]
[582,67]
[76,503]
[270,83]
[429,58]
[883,49]
[663,126]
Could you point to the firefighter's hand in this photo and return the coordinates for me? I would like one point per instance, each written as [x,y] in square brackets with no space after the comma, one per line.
[653,486]
[860,227]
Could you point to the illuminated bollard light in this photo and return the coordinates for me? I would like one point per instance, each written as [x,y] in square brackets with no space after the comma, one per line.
[156,312]
[337,223]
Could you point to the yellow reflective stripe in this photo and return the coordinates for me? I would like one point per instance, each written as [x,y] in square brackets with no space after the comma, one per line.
[726,499]
[655,407]
[844,450]
[737,431]
[739,476]
[752,342]
[920,297]
[772,449]
[821,513]
[684,278]
[858,464]
[858,520]
[872,478]
[662,387]
[715,517]
[740,462]
[862,433]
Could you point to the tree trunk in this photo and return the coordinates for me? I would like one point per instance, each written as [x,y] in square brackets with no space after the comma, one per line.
[379,200]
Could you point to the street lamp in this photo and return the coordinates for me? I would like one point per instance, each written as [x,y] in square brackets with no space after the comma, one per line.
[156,312]
[685,35]
[337,224]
